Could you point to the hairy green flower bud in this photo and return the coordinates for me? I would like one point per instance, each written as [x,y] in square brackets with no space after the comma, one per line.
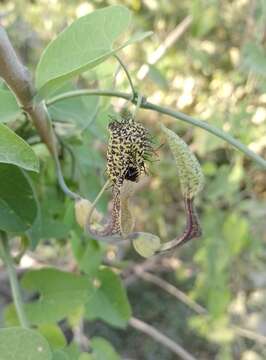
[188,167]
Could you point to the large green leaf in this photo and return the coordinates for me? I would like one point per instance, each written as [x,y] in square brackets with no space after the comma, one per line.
[14,150]
[61,293]
[18,207]
[9,109]
[87,42]
[23,344]
[109,300]
[84,44]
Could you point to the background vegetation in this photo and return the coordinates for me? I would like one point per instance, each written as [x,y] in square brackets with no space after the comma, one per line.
[212,66]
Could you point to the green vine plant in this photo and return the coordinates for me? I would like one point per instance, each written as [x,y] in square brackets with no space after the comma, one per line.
[129,149]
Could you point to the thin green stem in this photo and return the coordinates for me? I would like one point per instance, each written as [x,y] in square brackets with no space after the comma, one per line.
[210,128]
[127,74]
[85,92]
[170,112]
[93,205]
[59,173]
[14,284]
[61,181]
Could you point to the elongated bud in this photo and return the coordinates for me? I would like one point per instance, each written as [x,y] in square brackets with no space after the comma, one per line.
[189,170]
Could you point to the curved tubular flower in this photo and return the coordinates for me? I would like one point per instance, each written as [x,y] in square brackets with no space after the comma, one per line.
[128,149]
[191,181]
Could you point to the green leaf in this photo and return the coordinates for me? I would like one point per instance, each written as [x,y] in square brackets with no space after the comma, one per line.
[145,244]
[23,344]
[91,257]
[102,349]
[18,207]
[188,167]
[9,109]
[138,37]
[53,334]
[35,232]
[58,298]
[50,223]
[108,301]
[14,150]
[84,44]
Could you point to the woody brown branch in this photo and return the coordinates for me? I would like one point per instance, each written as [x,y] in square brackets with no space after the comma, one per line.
[19,80]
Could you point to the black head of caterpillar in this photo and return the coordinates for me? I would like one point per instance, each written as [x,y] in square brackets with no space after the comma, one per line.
[128,148]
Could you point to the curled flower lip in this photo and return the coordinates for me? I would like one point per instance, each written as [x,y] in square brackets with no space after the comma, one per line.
[192,230]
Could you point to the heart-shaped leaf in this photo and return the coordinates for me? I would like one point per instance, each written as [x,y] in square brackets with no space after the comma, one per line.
[14,150]
[18,207]
[9,109]
[58,298]
[109,300]
[84,44]
[23,344]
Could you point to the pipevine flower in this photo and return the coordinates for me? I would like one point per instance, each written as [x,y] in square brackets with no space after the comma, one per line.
[129,148]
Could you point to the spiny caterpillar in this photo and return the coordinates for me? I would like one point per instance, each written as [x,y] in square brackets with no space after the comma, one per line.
[128,149]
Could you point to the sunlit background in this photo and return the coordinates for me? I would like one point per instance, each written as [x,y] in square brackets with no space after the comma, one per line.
[206,58]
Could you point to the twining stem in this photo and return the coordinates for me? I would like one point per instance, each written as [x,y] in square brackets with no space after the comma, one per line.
[127,74]
[59,173]
[170,112]
[14,284]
